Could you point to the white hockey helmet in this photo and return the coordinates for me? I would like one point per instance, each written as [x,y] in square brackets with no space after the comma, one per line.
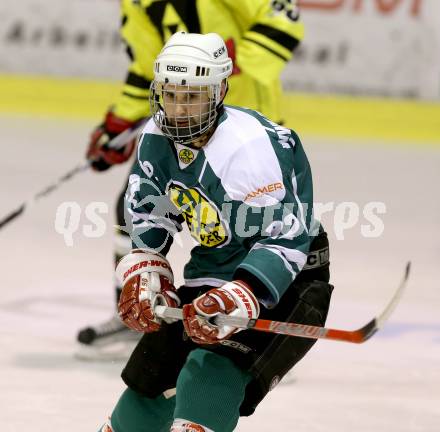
[189,63]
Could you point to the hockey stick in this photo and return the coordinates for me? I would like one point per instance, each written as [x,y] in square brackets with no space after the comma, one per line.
[302,330]
[115,143]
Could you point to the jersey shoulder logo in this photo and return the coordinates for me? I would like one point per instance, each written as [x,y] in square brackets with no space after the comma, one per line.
[186,156]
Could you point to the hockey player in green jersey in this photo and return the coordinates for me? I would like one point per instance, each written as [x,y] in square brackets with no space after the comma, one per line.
[243,186]
[260,36]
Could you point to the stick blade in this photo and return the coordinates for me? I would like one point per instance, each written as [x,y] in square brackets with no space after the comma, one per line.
[368,330]
[383,317]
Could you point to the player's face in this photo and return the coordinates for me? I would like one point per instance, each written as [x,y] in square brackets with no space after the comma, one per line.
[186,106]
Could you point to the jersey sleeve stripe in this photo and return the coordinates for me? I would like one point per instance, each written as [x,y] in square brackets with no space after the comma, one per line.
[299,203]
[279,55]
[164,222]
[169,228]
[137,81]
[290,255]
[278,252]
[197,282]
[126,93]
[276,35]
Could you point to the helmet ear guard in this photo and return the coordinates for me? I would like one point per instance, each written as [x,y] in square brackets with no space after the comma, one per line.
[195,65]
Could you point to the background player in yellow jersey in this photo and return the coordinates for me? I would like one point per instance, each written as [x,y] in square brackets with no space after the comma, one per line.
[260,36]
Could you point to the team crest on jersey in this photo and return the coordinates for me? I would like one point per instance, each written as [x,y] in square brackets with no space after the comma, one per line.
[203,218]
[186,156]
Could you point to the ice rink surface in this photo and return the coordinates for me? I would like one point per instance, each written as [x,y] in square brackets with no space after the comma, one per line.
[50,290]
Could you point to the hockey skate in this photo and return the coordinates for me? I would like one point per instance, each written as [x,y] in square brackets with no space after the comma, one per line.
[108,341]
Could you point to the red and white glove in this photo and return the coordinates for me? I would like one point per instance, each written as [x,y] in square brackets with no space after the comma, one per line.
[234,298]
[147,281]
[99,153]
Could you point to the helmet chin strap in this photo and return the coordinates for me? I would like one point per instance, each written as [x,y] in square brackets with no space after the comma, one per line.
[226,91]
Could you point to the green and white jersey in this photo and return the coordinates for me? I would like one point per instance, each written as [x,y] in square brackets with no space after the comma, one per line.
[246,198]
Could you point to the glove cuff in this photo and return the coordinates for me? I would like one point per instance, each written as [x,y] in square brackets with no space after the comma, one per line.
[138,262]
[244,298]
[115,125]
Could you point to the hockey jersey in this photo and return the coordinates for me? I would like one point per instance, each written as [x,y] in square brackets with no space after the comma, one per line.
[260,36]
[246,197]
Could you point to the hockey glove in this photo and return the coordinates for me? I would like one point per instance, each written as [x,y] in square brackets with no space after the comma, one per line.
[99,154]
[147,281]
[234,298]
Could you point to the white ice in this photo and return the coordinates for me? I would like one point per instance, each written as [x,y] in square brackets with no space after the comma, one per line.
[50,290]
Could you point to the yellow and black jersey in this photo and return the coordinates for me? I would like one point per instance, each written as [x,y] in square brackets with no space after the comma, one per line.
[260,35]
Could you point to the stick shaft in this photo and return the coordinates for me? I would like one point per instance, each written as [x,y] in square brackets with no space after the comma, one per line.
[43,193]
[116,143]
[303,330]
[269,326]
